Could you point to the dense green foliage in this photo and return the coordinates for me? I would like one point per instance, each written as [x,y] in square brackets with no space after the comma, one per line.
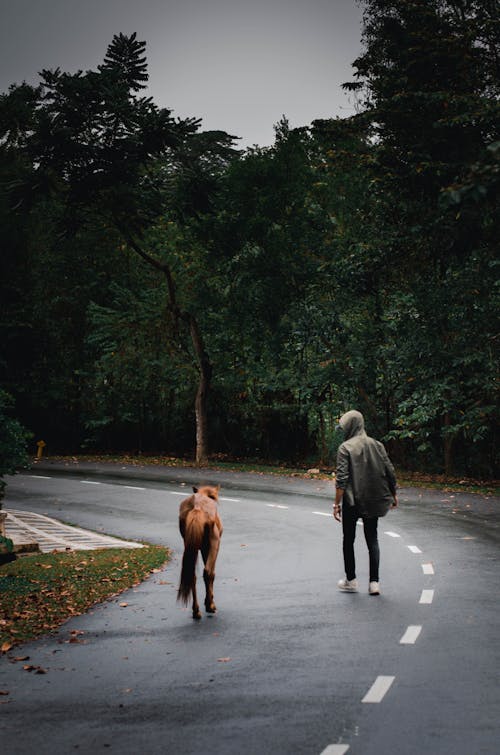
[13,441]
[163,291]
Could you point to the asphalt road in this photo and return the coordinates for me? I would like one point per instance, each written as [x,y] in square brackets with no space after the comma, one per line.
[288,664]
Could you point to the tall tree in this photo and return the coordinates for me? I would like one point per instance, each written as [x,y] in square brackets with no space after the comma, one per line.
[90,139]
[428,80]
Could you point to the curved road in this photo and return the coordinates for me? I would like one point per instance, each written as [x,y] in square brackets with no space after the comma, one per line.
[288,664]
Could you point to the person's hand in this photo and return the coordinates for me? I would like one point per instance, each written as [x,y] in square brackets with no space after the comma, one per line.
[336,511]
[395,502]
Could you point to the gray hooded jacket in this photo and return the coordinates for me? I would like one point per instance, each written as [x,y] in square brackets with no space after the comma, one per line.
[364,471]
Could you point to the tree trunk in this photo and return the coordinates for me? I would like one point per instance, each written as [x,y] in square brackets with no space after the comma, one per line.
[201,401]
[204,364]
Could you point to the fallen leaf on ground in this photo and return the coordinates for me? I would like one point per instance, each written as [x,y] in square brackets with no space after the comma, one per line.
[5,647]
[36,669]
[4,692]
[223,660]
[123,605]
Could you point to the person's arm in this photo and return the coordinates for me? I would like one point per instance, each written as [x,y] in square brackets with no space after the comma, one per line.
[339,492]
[342,479]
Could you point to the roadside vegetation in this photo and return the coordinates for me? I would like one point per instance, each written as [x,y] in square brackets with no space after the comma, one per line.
[39,592]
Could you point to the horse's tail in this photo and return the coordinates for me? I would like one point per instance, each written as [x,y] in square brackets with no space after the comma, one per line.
[193,538]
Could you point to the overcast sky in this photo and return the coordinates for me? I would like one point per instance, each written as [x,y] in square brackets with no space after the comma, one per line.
[239,65]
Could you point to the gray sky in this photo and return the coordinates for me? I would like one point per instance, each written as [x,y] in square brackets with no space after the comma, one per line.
[239,65]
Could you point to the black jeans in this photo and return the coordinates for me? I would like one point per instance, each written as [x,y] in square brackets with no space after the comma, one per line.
[350,515]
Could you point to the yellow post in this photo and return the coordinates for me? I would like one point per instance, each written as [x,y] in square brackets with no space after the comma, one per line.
[40,444]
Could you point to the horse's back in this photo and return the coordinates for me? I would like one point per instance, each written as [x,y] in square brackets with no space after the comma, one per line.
[200,501]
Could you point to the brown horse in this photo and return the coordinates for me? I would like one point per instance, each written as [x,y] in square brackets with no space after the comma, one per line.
[201,529]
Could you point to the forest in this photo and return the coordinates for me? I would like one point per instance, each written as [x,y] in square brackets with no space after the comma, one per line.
[163,291]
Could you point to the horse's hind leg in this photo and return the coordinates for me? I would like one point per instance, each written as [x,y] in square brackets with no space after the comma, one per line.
[196,607]
[209,554]
[210,606]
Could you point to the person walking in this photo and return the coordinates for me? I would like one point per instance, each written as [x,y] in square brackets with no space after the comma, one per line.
[366,486]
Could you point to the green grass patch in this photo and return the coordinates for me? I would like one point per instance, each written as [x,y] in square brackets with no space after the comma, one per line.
[40,592]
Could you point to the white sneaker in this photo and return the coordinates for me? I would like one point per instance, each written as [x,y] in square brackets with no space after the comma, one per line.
[374,588]
[348,585]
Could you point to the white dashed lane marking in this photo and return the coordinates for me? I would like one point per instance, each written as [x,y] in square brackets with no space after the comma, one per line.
[410,636]
[136,487]
[414,549]
[322,513]
[426,597]
[276,506]
[392,534]
[335,750]
[428,568]
[378,690]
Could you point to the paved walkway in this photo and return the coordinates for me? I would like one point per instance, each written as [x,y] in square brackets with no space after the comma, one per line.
[28,530]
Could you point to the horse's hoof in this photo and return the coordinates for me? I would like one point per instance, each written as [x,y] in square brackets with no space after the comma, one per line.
[197,615]
[211,608]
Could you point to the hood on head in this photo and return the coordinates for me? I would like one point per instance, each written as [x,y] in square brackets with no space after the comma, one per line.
[352,423]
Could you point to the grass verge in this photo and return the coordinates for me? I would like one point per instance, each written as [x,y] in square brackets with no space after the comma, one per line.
[40,592]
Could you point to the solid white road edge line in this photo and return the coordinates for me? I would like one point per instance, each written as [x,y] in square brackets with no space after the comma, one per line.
[410,636]
[428,568]
[378,690]
[132,487]
[89,482]
[39,476]
[427,596]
